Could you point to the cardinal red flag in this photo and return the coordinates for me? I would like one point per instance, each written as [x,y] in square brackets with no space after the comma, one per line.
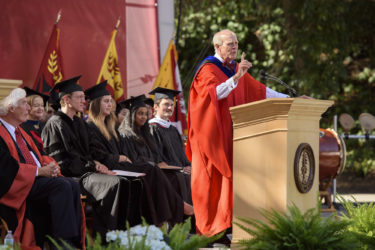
[51,70]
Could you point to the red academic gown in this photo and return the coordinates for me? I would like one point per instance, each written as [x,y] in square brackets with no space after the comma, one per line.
[16,195]
[210,145]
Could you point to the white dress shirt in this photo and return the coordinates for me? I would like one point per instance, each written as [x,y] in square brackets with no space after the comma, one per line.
[11,129]
[224,89]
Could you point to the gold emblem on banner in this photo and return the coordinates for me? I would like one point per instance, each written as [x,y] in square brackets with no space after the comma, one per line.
[53,67]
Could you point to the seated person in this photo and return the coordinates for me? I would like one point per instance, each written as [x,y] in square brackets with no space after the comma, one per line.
[167,137]
[122,108]
[163,203]
[66,138]
[29,179]
[34,125]
[141,147]
[149,105]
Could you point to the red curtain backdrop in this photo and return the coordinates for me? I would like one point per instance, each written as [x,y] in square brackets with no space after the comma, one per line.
[86,26]
[142,45]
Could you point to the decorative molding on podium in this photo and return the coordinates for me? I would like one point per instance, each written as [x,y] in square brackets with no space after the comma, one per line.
[7,85]
[277,109]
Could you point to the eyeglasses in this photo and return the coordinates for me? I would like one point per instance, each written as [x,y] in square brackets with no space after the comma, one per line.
[167,105]
[80,97]
[230,44]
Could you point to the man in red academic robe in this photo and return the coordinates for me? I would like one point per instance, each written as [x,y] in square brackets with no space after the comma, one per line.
[31,190]
[219,83]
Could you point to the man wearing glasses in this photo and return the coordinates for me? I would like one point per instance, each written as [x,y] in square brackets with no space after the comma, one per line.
[219,83]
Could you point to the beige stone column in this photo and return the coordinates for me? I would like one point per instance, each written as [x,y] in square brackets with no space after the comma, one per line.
[7,85]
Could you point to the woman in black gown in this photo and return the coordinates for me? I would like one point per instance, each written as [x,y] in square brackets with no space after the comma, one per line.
[162,203]
[141,147]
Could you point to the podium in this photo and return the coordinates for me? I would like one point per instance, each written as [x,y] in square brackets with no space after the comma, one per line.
[7,85]
[275,156]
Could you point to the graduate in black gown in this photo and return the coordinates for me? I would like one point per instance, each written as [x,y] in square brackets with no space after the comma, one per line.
[167,137]
[66,138]
[161,202]
[34,125]
[141,146]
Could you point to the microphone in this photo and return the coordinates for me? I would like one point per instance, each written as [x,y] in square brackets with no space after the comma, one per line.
[264,76]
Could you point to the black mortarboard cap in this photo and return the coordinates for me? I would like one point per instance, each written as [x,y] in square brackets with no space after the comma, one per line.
[55,105]
[161,93]
[66,87]
[122,105]
[97,91]
[149,101]
[137,101]
[125,104]
[30,92]
[53,100]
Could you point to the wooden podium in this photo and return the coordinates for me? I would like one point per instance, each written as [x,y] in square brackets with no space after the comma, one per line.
[7,85]
[266,137]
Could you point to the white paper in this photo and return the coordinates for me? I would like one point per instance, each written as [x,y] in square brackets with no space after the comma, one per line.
[127,173]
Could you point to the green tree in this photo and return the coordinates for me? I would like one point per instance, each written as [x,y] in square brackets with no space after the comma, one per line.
[324,49]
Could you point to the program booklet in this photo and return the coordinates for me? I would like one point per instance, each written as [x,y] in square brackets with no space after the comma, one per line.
[128,173]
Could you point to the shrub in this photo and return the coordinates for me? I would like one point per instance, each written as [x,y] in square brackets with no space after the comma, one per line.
[297,231]
[362,221]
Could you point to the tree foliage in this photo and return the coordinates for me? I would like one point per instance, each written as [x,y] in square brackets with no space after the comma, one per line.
[324,49]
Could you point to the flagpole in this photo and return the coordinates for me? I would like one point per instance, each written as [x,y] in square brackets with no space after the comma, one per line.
[58,17]
[118,23]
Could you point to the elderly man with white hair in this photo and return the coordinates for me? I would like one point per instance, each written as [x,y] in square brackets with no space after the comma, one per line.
[219,83]
[34,199]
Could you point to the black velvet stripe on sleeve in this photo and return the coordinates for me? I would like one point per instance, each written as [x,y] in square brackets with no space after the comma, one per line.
[8,168]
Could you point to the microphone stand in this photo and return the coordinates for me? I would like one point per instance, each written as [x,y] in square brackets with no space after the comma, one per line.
[292,92]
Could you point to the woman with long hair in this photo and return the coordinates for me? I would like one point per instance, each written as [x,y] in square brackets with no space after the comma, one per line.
[163,203]
[141,147]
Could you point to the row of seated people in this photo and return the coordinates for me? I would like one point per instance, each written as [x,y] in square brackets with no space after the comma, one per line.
[88,153]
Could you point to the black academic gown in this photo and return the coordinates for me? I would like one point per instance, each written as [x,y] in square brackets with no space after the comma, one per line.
[139,152]
[68,142]
[160,201]
[169,143]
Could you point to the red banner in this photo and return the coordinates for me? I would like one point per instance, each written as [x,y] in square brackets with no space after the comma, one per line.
[51,69]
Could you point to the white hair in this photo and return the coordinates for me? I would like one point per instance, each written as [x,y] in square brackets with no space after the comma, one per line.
[218,37]
[11,100]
